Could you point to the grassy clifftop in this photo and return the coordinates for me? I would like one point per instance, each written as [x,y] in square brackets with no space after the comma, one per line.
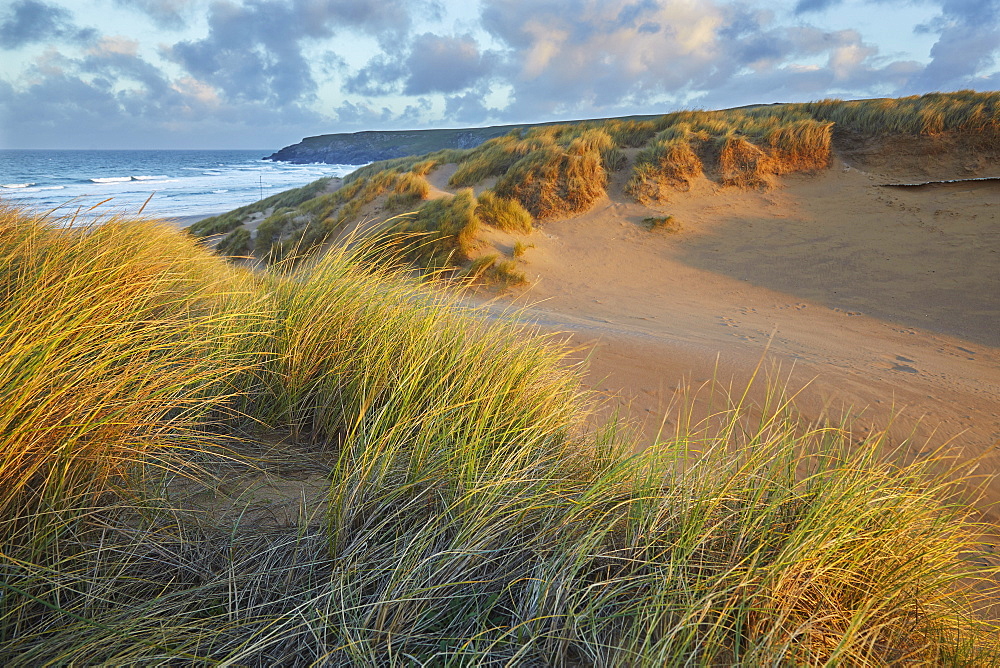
[559,170]
[152,397]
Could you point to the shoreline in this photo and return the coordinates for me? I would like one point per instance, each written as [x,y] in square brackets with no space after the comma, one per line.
[186,221]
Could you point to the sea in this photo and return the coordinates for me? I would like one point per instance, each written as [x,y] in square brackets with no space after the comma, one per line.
[89,185]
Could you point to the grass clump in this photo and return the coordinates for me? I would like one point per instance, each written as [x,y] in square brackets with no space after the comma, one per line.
[470,519]
[478,267]
[504,214]
[114,337]
[236,244]
[440,233]
[559,179]
[932,113]
[507,274]
[662,224]
[409,189]
[744,164]
[669,163]
[630,133]
[800,146]
[745,148]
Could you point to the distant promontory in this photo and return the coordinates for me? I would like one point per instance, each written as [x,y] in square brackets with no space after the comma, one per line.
[360,148]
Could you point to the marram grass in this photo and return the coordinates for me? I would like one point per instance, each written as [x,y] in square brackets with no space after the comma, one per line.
[470,519]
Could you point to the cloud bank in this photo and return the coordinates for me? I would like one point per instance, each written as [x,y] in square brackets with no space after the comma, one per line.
[265,72]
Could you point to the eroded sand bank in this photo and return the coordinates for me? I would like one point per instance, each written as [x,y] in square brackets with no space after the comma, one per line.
[876,303]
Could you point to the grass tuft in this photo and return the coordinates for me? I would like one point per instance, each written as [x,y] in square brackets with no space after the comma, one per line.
[662,224]
[443,231]
[520,248]
[504,214]
[559,179]
[665,164]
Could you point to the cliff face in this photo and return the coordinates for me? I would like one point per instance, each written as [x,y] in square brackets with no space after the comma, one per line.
[360,148]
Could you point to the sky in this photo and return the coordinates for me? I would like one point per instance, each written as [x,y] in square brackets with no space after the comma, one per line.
[145,74]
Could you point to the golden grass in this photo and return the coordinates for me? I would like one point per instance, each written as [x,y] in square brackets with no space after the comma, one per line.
[471,518]
[666,164]
[440,233]
[962,111]
[409,189]
[504,214]
[559,179]
[112,334]
[744,164]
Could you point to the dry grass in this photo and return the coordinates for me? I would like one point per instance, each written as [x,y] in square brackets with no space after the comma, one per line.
[409,189]
[962,111]
[504,214]
[558,180]
[520,248]
[441,233]
[662,224]
[744,164]
[664,165]
[800,146]
[113,334]
[745,148]
[470,519]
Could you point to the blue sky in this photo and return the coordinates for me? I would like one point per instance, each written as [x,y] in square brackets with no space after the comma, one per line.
[265,73]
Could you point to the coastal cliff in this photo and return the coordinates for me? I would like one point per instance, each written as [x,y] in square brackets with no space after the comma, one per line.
[360,148]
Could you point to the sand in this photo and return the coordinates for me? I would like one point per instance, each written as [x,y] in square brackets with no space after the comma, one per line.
[186,221]
[880,306]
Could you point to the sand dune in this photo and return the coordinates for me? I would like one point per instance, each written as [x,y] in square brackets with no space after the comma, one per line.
[873,301]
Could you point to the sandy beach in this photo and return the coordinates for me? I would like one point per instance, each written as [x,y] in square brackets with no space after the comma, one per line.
[876,306]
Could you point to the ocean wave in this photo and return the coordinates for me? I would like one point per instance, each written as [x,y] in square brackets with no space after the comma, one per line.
[111,179]
[16,185]
[126,179]
[219,192]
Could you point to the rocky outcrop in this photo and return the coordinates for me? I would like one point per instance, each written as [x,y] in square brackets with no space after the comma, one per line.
[360,148]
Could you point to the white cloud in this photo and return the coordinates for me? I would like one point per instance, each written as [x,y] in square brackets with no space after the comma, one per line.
[323,65]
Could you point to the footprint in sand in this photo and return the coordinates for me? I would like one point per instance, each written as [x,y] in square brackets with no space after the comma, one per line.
[901,366]
[971,353]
